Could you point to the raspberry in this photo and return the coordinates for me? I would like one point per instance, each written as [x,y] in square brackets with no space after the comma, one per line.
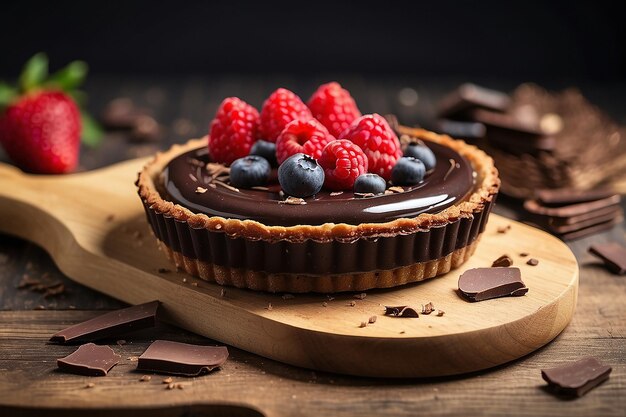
[334,107]
[342,161]
[233,131]
[280,108]
[373,134]
[299,136]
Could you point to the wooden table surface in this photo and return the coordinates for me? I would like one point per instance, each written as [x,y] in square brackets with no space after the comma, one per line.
[250,385]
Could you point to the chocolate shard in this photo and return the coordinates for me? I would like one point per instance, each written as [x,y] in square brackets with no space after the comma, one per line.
[480,284]
[612,254]
[111,324]
[576,378]
[89,359]
[502,261]
[181,358]
[401,311]
[565,196]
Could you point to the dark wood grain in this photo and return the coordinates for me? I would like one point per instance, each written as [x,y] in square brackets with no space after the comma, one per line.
[184,107]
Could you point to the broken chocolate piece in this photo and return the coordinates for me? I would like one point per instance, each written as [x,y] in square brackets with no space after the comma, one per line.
[401,311]
[566,196]
[612,254]
[480,284]
[428,308]
[468,97]
[181,358]
[89,359]
[503,261]
[532,262]
[110,324]
[576,378]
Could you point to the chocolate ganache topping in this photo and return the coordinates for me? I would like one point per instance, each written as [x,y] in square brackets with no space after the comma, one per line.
[450,182]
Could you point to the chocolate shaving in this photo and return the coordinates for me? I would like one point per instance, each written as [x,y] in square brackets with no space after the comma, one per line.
[502,261]
[440,313]
[193,177]
[504,229]
[89,359]
[269,307]
[612,254]
[110,324]
[577,378]
[453,165]
[396,189]
[335,193]
[532,262]
[360,296]
[201,190]
[372,320]
[223,184]
[480,284]
[364,195]
[293,201]
[524,254]
[145,378]
[259,188]
[401,311]
[351,304]
[363,324]
[181,358]
[428,308]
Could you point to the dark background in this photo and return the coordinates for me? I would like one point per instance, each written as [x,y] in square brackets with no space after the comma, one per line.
[520,40]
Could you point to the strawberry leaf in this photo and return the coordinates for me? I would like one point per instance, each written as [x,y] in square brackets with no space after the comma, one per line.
[69,77]
[35,72]
[92,132]
[7,93]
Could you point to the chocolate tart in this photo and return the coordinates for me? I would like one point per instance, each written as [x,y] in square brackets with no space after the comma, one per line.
[331,242]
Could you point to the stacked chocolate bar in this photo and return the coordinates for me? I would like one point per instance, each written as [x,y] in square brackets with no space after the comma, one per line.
[572,214]
[539,139]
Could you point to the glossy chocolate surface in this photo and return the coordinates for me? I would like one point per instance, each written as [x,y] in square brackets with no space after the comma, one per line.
[449,183]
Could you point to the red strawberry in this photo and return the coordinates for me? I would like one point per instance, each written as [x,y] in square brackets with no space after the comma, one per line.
[379,142]
[41,132]
[280,108]
[299,136]
[342,161]
[233,130]
[334,107]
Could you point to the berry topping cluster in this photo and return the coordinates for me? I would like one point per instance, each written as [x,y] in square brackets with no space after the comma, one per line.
[325,143]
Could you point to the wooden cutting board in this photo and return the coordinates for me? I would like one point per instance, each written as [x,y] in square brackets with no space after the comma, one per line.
[93,226]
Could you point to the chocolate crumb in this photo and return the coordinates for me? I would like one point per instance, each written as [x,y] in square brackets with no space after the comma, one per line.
[335,193]
[194,284]
[288,297]
[222,293]
[293,201]
[90,385]
[133,358]
[364,195]
[167,380]
[164,270]
[396,189]
[360,296]
[351,304]
[330,297]
[269,307]
[532,262]
[201,190]
[110,218]
[440,313]
[145,378]
[180,386]
[363,324]
[428,308]
[171,386]
[504,229]
[524,254]
[324,304]
[502,261]
[372,320]
[402,332]
[184,280]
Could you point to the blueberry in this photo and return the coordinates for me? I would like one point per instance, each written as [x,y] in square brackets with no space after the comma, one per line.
[249,171]
[408,171]
[265,149]
[370,183]
[300,176]
[423,153]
